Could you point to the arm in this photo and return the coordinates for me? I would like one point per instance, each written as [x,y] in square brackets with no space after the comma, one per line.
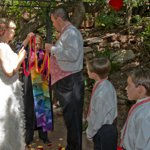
[142,138]
[104,109]
[96,116]
[27,39]
[11,65]
[24,43]
[68,47]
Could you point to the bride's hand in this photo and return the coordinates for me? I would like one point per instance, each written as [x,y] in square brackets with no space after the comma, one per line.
[22,53]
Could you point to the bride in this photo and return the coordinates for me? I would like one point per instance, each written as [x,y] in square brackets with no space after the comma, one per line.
[11,102]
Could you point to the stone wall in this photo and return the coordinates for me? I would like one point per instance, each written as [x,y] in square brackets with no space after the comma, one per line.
[123,51]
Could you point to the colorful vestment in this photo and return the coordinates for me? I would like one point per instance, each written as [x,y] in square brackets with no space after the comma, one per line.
[41,93]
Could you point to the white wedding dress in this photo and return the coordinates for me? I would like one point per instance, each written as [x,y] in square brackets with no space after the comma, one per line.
[11,107]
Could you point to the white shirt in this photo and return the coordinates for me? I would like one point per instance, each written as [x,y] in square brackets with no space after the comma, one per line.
[103,108]
[137,135]
[68,50]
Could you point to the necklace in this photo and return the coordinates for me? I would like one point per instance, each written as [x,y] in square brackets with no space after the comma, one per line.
[44,66]
[27,72]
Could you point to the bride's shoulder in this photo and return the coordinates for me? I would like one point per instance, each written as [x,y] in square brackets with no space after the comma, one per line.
[4,46]
[4,49]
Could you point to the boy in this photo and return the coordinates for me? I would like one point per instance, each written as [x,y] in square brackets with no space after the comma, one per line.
[103,106]
[135,134]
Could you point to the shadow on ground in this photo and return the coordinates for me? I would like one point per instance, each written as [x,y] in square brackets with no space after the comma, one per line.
[58,136]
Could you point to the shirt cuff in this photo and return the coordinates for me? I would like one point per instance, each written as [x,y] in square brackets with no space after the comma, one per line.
[89,138]
[53,50]
[87,134]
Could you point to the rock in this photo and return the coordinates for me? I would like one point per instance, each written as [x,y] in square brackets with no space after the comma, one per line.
[123,38]
[88,50]
[115,44]
[122,56]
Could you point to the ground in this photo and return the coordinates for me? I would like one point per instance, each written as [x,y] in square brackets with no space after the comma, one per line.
[58,136]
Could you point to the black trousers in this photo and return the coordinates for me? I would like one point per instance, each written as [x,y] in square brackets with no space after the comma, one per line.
[30,119]
[29,133]
[28,109]
[70,94]
[106,138]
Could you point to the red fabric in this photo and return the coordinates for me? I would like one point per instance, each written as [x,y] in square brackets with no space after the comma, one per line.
[116,4]
[119,148]
[56,72]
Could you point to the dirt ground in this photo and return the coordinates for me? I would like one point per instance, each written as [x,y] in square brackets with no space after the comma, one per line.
[58,136]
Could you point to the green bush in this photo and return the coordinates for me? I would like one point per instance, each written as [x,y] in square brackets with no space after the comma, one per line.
[109,20]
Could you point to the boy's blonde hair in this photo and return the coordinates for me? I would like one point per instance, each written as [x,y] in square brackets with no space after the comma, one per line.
[39,39]
[101,66]
[141,77]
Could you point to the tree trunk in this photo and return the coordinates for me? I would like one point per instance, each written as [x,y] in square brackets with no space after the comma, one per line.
[78,14]
[129,15]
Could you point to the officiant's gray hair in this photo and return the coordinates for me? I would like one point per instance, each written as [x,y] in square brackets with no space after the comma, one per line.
[60,12]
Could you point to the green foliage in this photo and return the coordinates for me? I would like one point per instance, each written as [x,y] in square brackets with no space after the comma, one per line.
[109,20]
[146,35]
[89,1]
[136,19]
[92,1]
[106,53]
[135,3]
